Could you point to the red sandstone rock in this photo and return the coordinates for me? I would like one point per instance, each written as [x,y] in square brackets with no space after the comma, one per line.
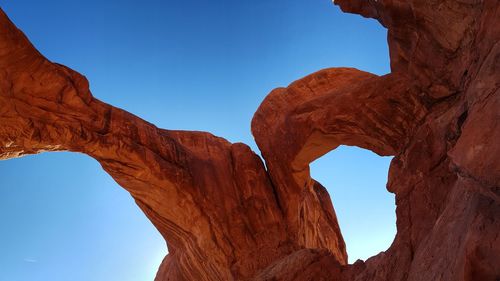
[225,217]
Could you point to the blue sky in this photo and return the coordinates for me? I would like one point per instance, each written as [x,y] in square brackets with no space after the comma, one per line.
[193,65]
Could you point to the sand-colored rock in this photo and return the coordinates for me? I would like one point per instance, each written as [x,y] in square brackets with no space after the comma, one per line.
[225,216]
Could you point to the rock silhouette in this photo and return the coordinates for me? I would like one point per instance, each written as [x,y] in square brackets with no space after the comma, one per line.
[226,216]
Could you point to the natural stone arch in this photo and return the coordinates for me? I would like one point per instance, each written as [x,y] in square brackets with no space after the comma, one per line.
[226,217]
[300,123]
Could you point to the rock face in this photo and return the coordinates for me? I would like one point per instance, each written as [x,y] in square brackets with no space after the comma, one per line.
[226,217]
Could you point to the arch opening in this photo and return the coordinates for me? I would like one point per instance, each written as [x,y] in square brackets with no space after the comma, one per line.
[355,179]
[66,210]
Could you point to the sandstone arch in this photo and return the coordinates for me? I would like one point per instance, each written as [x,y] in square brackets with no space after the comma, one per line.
[226,217]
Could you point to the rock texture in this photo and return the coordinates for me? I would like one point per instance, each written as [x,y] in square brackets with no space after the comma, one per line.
[225,216]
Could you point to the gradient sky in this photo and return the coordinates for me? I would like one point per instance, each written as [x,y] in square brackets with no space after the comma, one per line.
[193,65]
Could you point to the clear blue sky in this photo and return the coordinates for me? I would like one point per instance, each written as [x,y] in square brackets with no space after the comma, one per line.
[194,65]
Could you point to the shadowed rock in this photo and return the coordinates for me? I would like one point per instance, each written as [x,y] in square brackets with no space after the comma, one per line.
[226,217]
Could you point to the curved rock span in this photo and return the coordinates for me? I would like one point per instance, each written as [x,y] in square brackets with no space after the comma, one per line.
[225,216]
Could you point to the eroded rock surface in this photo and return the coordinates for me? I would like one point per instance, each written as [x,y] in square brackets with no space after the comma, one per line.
[226,217]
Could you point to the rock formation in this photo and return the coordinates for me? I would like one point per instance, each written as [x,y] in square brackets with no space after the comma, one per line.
[225,216]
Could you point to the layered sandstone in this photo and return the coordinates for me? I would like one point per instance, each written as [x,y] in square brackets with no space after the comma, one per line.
[226,216]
